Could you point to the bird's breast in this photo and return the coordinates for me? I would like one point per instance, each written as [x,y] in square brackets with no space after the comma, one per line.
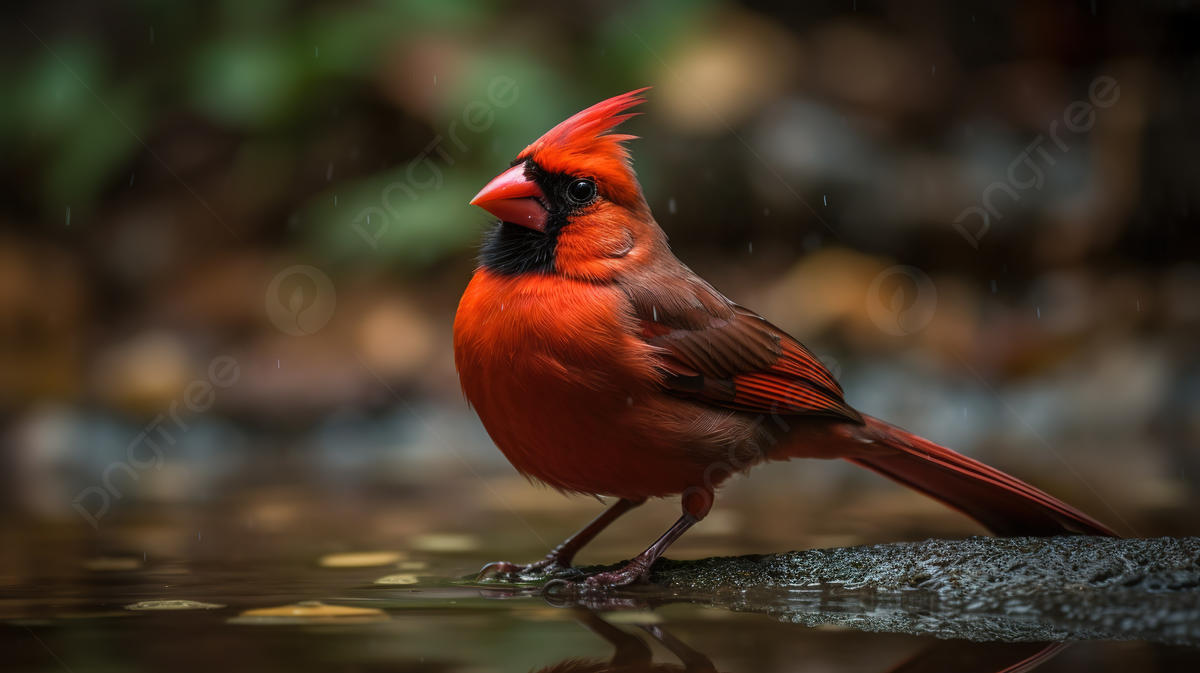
[562,383]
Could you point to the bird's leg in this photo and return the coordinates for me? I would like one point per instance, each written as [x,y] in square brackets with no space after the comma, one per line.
[630,650]
[696,504]
[639,568]
[690,658]
[562,555]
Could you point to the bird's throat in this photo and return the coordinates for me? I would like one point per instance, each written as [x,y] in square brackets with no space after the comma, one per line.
[511,249]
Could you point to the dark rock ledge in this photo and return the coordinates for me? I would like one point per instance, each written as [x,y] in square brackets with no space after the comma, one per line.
[993,589]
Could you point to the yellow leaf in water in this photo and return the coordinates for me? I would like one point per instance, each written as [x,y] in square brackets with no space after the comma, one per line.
[310,612]
[173,605]
[367,559]
[398,579]
[446,542]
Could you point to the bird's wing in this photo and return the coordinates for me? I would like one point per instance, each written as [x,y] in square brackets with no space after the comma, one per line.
[713,350]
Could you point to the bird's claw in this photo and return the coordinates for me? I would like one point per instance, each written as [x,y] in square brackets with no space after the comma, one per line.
[497,568]
[630,574]
[596,585]
[506,570]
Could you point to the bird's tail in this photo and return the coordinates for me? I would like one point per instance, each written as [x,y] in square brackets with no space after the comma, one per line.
[1005,505]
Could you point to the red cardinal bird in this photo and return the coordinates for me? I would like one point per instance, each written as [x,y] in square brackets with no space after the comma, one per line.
[600,364]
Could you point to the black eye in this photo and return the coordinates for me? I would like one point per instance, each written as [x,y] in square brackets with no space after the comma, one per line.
[581,191]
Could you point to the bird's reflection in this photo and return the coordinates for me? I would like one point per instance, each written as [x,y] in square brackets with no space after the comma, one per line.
[632,654]
[969,657]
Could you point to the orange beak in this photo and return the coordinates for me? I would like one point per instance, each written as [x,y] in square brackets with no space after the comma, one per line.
[513,198]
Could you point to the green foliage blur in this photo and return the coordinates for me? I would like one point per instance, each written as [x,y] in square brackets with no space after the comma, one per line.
[284,80]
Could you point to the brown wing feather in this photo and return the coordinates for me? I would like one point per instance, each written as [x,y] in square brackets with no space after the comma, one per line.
[727,355]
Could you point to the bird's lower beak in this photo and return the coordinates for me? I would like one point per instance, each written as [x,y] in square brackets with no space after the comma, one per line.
[512,197]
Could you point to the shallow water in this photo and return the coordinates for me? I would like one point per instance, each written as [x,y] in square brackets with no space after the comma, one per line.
[283,540]
[67,618]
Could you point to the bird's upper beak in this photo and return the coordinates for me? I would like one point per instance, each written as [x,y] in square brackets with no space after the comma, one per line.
[511,197]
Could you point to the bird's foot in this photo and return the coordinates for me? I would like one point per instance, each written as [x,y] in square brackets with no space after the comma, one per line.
[505,571]
[635,571]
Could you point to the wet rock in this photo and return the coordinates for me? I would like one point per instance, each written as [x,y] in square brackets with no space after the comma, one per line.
[983,568]
[1013,589]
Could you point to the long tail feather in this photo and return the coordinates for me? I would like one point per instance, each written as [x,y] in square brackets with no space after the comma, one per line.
[1005,505]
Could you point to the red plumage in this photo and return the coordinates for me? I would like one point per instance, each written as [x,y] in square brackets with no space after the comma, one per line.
[600,364]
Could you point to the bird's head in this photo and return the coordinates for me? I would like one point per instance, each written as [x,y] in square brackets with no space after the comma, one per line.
[570,203]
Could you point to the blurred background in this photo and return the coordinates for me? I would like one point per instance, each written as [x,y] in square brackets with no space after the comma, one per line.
[233,236]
